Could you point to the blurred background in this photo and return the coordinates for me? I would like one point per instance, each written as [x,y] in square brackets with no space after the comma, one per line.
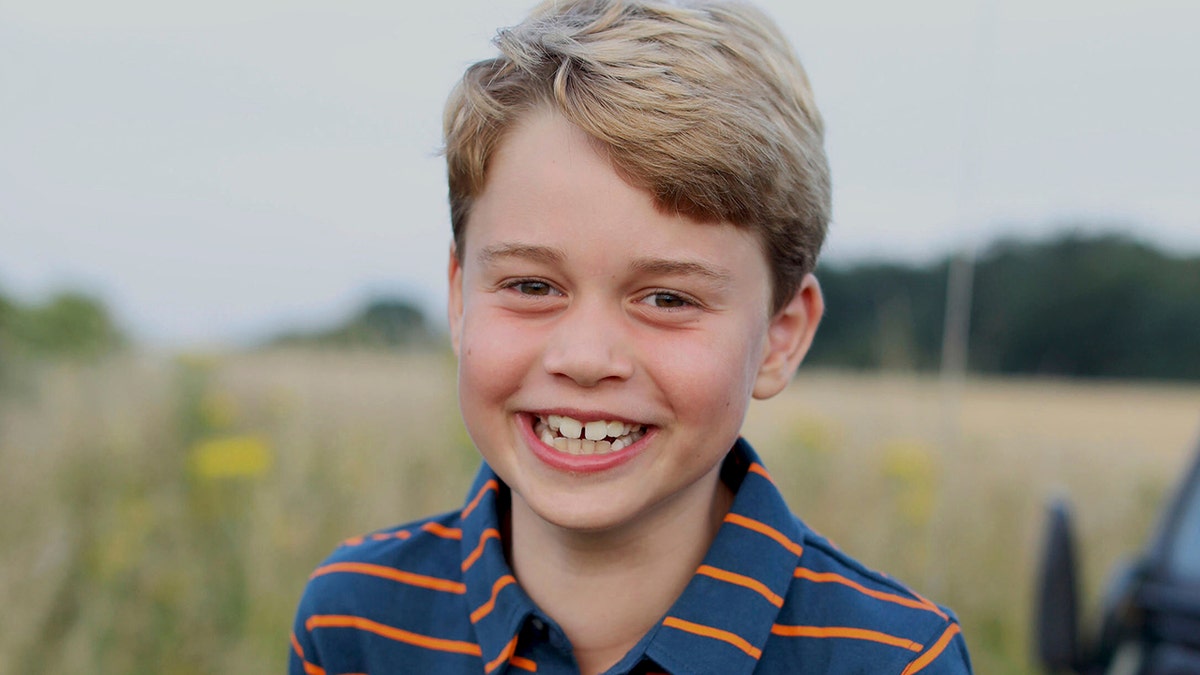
[223,238]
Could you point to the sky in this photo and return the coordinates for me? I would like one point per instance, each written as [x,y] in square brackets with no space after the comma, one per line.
[218,171]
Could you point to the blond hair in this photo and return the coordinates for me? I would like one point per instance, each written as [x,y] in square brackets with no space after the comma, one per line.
[703,104]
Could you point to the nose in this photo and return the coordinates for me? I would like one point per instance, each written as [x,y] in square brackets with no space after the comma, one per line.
[590,346]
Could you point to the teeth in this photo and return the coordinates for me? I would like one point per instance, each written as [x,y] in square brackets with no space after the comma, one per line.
[595,431]
[597,437]
[571,428]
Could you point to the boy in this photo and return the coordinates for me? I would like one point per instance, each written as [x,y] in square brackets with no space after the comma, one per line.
[638,193]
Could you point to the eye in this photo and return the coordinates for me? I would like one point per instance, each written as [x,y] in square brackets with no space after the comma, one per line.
[532,287]
[667,300]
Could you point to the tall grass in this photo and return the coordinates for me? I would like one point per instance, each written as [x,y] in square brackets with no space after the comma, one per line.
[161,515]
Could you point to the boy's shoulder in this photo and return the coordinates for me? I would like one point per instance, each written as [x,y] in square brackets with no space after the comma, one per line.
[421,538]
[875,592]
[424,555]
[357,611]
[850,612]
[827,610]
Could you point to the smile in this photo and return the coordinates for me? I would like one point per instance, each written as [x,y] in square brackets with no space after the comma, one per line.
[598,437]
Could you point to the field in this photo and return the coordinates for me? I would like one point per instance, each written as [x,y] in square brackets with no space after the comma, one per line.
[160,514]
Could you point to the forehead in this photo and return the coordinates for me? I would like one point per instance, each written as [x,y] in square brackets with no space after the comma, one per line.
[550,184]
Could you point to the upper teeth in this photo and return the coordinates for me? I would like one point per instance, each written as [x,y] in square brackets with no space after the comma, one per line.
[593,431]
[586,438]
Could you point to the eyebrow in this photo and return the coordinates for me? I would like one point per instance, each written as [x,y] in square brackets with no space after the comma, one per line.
[667,267]
[659,266]
[542,254]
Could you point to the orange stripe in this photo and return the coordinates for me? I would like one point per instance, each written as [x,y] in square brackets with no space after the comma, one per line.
[765,529]
[309,668]
[715,633]
[359,623]
[490,533]
[357,541]
[740,580]
[384,536]
[523,664]
[504,656]
[850,633]
[932,607]
[442,531]
[490,485]
[935,651]
[393,574]
[761,470]
[488,606]
[830,577]
[297,647]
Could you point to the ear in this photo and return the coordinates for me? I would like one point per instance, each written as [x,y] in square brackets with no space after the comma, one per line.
[788,338]
[454,302]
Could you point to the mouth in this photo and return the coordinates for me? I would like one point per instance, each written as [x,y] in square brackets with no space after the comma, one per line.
[595,437]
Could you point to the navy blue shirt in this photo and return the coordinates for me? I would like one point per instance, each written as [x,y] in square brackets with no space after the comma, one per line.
[438,596]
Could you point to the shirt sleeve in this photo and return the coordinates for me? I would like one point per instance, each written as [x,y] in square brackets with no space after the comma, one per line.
[945,655]
[300,659]
[302,656]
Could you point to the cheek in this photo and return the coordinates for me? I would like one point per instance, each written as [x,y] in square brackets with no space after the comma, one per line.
[715,371]
[493,360]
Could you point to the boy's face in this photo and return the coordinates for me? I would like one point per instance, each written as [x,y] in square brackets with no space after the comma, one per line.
[576,297]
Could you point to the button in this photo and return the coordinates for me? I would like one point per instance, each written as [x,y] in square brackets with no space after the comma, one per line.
[538,624]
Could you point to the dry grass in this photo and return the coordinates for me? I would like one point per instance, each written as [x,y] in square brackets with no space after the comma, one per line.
[160,515]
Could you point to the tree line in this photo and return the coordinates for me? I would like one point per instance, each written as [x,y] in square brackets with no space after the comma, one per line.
[381,323]
[1073,306]
[68,324]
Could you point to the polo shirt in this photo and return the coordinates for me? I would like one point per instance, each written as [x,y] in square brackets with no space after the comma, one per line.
[438,596]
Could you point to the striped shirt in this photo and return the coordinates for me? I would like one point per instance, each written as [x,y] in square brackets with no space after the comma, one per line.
[438,596]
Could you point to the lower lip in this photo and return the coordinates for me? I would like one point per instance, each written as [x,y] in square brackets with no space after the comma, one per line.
[579,463]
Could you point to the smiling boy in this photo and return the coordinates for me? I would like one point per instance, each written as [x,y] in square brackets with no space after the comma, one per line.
[638,194]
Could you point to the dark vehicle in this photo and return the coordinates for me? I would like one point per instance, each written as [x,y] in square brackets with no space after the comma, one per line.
[1150,622]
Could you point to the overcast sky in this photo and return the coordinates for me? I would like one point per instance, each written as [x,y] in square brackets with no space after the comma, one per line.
[216,170]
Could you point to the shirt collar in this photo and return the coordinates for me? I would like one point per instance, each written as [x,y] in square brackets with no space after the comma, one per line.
[723,619]
[498,606]
[721,622]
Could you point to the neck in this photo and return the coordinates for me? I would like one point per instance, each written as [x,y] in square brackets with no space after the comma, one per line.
[607,589]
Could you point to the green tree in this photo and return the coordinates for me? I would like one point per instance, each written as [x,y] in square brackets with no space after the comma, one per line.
[1087,306]
[1080,306]
[69,324]
[380,323]
[881,315]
